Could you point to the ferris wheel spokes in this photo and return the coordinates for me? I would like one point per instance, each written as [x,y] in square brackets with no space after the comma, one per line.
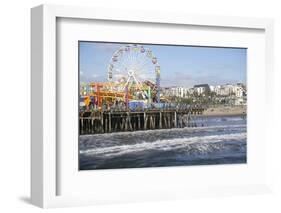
[131,68]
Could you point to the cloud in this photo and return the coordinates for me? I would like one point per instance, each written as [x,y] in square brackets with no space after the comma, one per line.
[178,78]
[89,77]
[189,79]
[96,75]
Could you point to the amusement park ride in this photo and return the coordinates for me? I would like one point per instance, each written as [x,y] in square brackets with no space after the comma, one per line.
[133,74]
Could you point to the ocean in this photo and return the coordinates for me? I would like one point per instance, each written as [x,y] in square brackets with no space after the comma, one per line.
[213,140]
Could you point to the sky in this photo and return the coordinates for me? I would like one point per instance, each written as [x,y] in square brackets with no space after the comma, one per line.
[180,65]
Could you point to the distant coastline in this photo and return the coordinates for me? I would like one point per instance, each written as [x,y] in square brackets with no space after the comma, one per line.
[226,111]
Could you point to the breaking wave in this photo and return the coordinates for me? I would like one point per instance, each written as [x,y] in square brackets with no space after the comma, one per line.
[203,144]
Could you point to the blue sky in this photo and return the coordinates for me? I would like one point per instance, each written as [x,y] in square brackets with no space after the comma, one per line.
[180,65]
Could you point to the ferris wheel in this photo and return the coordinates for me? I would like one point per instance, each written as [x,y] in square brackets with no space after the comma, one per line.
[135,68]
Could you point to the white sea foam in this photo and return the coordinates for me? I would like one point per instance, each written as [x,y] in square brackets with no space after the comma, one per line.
[203,144]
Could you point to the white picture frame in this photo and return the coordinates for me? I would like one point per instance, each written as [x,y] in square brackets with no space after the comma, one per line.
[44,154]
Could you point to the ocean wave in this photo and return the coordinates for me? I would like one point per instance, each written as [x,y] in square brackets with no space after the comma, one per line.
[201,144]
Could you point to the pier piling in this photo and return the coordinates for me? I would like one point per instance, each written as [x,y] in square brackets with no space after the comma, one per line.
[98,122]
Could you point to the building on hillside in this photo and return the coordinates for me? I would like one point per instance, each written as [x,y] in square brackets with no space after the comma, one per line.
[201,88]
[237,90]
[181,92]
[212,88]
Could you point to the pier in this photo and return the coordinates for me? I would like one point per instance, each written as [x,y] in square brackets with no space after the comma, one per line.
[107,121]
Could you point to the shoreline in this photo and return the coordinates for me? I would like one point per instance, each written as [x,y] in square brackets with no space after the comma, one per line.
[226,111]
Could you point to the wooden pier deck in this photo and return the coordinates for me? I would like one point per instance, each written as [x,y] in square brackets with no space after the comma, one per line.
[98,122]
